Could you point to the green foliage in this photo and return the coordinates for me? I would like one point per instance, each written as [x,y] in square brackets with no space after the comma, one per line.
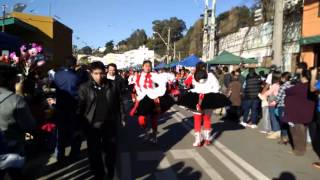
[231,21]
[86,50]
[177,27]
[109,47]
[136,39]
[191,43]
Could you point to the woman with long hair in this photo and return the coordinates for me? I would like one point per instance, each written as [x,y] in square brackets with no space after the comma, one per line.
[202,99]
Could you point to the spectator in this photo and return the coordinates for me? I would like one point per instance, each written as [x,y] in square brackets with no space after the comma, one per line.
[271,95]
[67,82]
[251,101]
[15,121]
[99,105]
[285,79]
[298,112]
[314,127]
[112,74]
[234,93]
[226,76]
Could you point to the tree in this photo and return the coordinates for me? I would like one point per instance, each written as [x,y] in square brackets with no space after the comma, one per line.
[231,21]
[109,47]
[137,39]
[267,7]
[75,50]
[86,50]
[177,27]
[191,43]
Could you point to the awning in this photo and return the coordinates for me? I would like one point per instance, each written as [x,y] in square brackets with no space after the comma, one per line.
[173,63]
[15,21]
[310,40]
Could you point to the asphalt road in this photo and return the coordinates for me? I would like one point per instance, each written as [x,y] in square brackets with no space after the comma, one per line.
[237,153]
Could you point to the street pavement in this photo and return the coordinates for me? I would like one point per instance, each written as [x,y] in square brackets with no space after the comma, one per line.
[237,153]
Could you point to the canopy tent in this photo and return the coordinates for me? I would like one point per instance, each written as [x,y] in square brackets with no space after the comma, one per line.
[174,63]
[245,72]
[226,58]
[190,61]
[250,61]
[160,66]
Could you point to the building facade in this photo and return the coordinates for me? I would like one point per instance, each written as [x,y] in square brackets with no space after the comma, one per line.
[256,42]
[55,37]
[127,59]
[310,41]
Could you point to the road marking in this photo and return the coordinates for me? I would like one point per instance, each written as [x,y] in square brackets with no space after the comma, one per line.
[164,168]
[126,166]
[71,173]
[253,171]
[192,153]
[80,175]
[249,168]
[62,170]
[229,164]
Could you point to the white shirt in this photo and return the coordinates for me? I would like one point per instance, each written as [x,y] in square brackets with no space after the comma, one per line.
[269,79]
[210,85]
[153,92]
[111,77]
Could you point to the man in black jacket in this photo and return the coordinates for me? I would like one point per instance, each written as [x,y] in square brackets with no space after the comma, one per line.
[100,107]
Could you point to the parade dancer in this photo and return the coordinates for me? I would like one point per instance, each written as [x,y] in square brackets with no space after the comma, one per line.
[150,89]
[202,99]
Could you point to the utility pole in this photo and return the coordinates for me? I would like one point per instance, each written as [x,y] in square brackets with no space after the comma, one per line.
[278,33]
[174,50]
[168,46]
[208,51]
[212,31]
[3,17]
[205,47]
[49,9]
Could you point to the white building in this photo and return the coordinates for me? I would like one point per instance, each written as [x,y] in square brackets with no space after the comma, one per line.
[127,59]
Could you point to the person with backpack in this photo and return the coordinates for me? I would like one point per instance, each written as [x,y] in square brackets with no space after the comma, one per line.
[15,121]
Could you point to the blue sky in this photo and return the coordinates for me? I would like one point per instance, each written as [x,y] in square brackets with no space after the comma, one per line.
[98,21]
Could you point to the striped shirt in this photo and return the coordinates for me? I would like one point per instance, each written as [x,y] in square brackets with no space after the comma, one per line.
[282,93]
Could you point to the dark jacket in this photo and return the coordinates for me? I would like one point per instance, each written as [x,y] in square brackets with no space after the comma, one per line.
[15,119]
[87,101]
[252,87]
[299,104]
[122,86]
[67,83]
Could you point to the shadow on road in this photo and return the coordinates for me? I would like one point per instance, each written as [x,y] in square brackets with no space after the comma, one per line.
[285,176]
[220,127]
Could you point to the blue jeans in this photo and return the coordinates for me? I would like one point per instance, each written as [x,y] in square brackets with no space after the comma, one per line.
[253,106]
[275,123]
[283,126]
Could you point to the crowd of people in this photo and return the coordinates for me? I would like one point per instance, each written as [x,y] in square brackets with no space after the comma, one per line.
[53,109]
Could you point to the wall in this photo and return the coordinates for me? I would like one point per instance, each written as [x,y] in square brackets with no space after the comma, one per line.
[256,41]
[307,55]
[311,19]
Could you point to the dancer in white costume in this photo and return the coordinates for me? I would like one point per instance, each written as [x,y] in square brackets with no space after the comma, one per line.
[150,99]
[202,99]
